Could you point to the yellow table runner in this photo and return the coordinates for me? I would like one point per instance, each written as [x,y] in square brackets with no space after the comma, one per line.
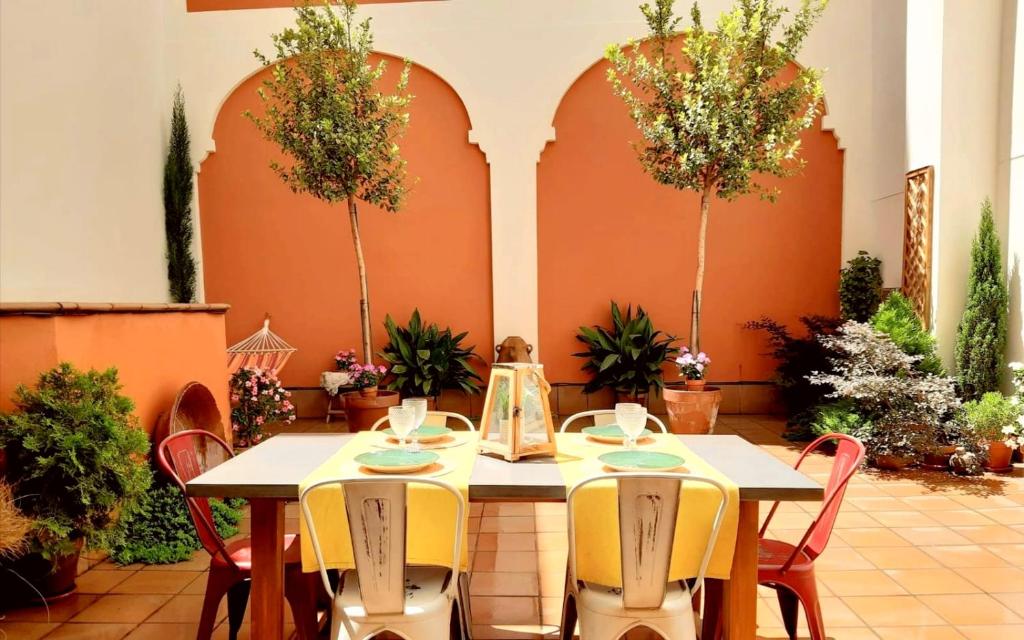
[431,511]
[597,513]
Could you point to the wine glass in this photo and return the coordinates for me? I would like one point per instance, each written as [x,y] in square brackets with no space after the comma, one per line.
[403,421]
[632,418]
[419,407]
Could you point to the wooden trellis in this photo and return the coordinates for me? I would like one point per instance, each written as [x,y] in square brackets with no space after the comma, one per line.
[919,198]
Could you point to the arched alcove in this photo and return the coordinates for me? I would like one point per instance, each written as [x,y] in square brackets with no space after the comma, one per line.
[606,231]
[268,250]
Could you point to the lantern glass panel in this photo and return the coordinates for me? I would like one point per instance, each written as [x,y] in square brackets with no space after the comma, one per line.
[534,425]
[501,410]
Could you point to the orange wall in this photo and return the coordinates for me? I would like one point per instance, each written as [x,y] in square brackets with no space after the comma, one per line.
[266,249]
[608,231]
[155,354]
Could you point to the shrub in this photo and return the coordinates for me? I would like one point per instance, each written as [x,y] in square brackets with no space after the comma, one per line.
[628,358]
[159,529]
[860,287]
[76,457]
[990,414]
[981,336]
[257,399]
[838,417]
[896,318]
[424,359]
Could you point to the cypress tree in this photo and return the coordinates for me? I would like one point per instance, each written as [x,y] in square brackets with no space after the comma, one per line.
[981,337]
[181,266]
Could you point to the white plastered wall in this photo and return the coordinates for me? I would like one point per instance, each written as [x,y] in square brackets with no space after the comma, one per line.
[1010,204]
[510,61]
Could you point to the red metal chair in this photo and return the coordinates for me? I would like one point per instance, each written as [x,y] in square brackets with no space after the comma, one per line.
[789,569]
[185,455]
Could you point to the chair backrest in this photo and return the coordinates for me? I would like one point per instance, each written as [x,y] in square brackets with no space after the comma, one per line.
[438,418]
[648,508]
[184,456]
[607,416]
[376,512]
[848,458]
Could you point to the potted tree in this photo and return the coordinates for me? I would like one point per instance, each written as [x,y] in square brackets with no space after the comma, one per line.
[994,419]
[628,358]
[717,109]
[338,131]
[76,458]
[693,409]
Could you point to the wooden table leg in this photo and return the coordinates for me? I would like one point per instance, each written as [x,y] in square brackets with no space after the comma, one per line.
[266,601]
[741,591]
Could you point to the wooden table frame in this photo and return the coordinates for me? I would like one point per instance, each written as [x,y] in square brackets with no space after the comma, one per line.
[269,475]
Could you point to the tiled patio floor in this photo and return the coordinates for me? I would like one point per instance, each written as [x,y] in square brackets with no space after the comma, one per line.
[915,556]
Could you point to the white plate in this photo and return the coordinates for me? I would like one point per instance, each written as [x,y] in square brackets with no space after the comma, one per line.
[450,443]
[434,470]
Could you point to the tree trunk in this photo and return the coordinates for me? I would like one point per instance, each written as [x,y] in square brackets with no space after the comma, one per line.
[364,294]
[698,288]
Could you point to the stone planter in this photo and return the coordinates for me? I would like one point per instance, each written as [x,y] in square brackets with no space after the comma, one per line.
[892,462]
[692,412]
[362,411]
[1000,457]
[54,580]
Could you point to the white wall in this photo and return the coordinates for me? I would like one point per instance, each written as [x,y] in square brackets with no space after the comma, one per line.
[83,108]
[1010,204]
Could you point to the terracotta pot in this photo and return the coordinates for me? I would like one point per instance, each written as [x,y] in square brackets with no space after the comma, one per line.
[892,463]
[368,392]
[695,385]
[999,456]
[638,398]
[938,459]
[692,411]
[54,580]
[361,411]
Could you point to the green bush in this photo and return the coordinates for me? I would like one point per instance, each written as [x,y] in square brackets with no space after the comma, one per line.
[629,357]
[897,319]
[838,417]
[76,457]
[860,287]
[423,359]
[981,337]
[988,415]
[159,529]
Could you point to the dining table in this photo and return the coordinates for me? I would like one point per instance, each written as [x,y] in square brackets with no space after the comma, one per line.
[269,475]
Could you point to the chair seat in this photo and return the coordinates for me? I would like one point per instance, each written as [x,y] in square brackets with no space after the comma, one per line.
[424,595]
[772,554]
[241,553]
[608,601]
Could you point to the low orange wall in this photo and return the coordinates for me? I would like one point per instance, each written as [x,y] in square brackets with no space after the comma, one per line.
[155,353]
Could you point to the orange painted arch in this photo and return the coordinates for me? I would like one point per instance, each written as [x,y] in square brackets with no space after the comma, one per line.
[268,250]
[608,231]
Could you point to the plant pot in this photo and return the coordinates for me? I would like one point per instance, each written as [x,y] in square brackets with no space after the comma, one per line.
[637,398]
[368,392]
[362,411]
[695,385]
[938,459]
[892,462]
[692,412]
[1000,457]
[53,580]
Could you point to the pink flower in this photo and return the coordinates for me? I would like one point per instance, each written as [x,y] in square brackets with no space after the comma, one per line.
[259,419]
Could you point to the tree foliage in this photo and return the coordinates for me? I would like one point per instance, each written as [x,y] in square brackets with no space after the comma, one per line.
[860,287]
[897,319]
[178,225]
[981,337]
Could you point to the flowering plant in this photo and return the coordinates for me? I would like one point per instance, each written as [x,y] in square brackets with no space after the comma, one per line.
[344,360]
[1017,379]
[366,375]
[257,398]
[692,367]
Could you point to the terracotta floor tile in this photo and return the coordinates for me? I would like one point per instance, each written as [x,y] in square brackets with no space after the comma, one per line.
[503,561]
[872,537]
[968,555]
[928,536]
[476,509]
[508,509]
[493,610]
[156,582]
[918,633]
[200,562]
[58,611]
[877,503]
[963,517]
[893,611]
[504,584]
[100,581]
[197,586]
[110,565]
[552,541]
[855,520]
[508,632]
[990,534]
[1005,515]
[221,632]
[932,581]
[985,501]
[860,583]
[506,542]
[842,558]
[550,524]
[91,631]
[25,630]
[122,608]
[931,503]
[1013,600]
[172,631]
[993,632]
[976,609]
[995,579]
[550,509]
[904,519]
[507,524]
[1012,553]
[899,558]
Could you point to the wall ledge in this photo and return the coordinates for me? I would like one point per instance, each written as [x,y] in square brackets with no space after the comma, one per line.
[89,308]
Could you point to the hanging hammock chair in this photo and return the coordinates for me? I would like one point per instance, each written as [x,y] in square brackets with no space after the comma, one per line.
[264,349]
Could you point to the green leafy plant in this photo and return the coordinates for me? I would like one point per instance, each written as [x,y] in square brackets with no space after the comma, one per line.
[339,132]
[714,108]
[76,457]
[897,319]
[181,266]
[159,529]
[839,417]
[627,358]
[860,287]
[981,337]
[425,359]
[991,414]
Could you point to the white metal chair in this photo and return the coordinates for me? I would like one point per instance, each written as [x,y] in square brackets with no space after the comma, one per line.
[383,593]
[648,507]
[606,416]
[434,414]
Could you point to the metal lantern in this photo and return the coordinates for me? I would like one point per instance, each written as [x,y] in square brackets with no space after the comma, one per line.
[263,349]
[517,415]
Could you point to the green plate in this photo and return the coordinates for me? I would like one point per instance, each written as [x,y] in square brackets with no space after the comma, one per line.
[630,460]
[610,433]
[396,460]
[424,433]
